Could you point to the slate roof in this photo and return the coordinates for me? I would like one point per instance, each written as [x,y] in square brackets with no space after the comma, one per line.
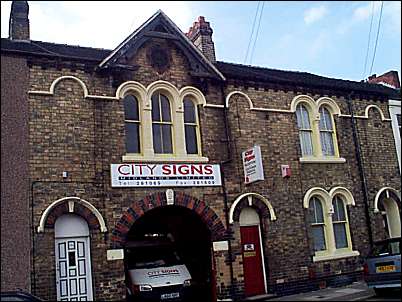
[54,50]
[229,70]
[245,72]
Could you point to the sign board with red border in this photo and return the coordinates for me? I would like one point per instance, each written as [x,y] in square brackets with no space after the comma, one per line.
[165,175]
[252,165]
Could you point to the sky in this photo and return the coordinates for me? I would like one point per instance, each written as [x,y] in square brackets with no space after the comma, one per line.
[327,38]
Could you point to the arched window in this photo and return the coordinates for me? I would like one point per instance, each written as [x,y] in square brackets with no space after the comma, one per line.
[326,133]
[191,127]
[329,223]
[305,130]
[339,222]
[161,124]
[318,224]
[132,124]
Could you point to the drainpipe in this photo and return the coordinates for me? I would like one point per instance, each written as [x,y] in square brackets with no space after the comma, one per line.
[361,170]
[225,197]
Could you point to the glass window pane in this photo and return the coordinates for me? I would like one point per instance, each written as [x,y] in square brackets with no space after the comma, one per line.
[319,238]
[339,210]
[191,139]
[155,108]
[302,115]
[157,138]
[131,108]
[306,143]
[327,143]
[167,139]
[165,108]
[319,216]
[340,235]
[325,119]
[306,118]
[132,138]
[189,112]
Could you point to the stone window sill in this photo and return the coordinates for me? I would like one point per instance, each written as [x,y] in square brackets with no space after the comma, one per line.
[336,255]
[164,158]
[322,160]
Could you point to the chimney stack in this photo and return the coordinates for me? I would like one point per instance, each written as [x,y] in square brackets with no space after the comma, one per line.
[389,78]
[19,22]
[201,35]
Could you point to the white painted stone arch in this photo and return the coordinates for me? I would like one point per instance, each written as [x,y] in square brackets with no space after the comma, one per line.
[168,89]
[62,78]
[378,195]
[250,196]
[250,103]
[367,111]
[303,99]
[328,102]
[328,196]
[71,200]
[193,92]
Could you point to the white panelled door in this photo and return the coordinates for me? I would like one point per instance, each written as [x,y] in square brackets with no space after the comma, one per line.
[73,262]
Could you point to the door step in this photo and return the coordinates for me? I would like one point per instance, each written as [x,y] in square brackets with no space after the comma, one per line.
[260,297]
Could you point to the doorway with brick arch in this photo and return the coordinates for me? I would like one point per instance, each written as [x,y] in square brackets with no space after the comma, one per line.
[188,234]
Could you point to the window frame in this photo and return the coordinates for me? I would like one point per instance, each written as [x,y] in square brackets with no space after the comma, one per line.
[140,134]
[327,198]
[302,129]
[176,98]
[161,122]
[196,124]
[394,107]
[313,108]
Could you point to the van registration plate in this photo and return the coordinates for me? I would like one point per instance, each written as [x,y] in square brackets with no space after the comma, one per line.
[170,296]
[385,269]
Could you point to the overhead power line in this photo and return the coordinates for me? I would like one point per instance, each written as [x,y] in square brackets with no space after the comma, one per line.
[252,31]
[369,38]
[376,40]
[256,35]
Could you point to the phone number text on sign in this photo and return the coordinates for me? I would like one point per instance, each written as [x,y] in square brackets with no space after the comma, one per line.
[164,175]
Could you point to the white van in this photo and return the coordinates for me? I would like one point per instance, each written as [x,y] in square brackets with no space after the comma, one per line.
[154,272]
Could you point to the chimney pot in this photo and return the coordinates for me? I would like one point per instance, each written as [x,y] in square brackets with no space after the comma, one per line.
[19,22]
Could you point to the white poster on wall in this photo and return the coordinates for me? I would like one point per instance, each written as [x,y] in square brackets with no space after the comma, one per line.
[165,175]
[252,165]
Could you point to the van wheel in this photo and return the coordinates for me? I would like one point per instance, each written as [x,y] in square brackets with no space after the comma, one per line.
[380,291]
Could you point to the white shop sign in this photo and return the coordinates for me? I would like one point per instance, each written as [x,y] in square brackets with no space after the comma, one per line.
[252,165]
[165,175]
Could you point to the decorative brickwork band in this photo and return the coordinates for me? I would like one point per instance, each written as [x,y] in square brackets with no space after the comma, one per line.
[139,208]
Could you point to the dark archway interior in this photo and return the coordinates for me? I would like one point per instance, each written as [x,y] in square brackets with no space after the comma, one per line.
[192,239]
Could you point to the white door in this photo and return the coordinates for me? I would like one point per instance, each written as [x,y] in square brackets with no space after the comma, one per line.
[73,264]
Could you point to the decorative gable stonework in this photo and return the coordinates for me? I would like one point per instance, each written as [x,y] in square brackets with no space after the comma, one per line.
[75,122]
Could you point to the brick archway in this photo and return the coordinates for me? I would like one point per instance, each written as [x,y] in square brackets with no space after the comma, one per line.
[139,208]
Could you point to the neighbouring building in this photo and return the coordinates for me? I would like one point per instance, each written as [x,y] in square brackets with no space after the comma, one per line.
[269,181]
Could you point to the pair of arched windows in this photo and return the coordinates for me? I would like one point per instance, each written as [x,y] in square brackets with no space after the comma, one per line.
[329,223]
[319,223]
[317,137]
[163,119]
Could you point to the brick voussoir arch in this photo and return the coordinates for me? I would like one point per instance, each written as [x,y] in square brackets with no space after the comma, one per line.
[72,205]
[139,208]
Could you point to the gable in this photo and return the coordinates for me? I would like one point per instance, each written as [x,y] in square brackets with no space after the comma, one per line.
[160,27]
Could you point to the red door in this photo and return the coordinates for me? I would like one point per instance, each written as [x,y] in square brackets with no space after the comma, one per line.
[252,261]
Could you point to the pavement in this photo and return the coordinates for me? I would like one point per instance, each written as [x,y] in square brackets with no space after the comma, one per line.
[356,291]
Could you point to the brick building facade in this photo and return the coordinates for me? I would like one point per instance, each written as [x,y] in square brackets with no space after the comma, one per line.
[66,120]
